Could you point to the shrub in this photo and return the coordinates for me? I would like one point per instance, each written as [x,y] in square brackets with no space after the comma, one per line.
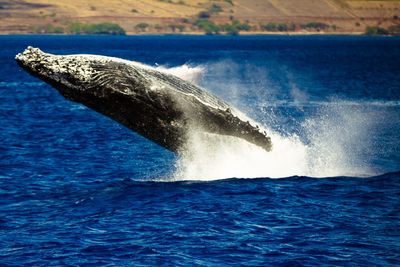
[180,27]
[358,24]
[134,10]
[229,29]
[394,30]
[229,1]
[215,9]
[375,30]
[271,27]
[173,27]
[208,26]
[142,26]
[57,29]
[203,15]
[316,25]
[282,27]
[100,28]
[235,27]
[158,27]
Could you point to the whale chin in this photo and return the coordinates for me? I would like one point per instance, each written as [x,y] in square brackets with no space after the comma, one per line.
[157,105]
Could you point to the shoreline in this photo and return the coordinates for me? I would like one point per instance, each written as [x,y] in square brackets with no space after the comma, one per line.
[256,33]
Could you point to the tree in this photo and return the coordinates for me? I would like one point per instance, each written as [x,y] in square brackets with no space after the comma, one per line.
[142,26]
[203,15]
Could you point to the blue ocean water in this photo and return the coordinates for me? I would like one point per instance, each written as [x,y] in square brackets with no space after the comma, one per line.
[76,188]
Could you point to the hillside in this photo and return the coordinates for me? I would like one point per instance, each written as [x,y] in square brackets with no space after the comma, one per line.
[181,16]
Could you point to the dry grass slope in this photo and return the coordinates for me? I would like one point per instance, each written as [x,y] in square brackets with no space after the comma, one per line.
[21,16]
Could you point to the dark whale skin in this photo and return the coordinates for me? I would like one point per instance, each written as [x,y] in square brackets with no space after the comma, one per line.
[159,106]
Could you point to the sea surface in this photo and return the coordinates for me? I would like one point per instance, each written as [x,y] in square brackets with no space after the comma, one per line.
[78,189]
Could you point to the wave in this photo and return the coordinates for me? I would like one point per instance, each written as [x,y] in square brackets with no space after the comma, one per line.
[18,84]
[341,102]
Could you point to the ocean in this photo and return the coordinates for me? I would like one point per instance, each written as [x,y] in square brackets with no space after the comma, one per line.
[79,189]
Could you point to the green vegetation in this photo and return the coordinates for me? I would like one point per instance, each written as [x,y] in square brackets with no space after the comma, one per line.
[180,27]
[358,24]
[277,27]
[2,7]
[203,15]
[134,10]
[394,30]
[173,27]
[207,25]
[229,28]
[375,30]
[215,9]
[316,25]
[229,1]
[47,29]
[271,27]
[342,3]
[91,28]
[180,2]
[158,27]
[142,26]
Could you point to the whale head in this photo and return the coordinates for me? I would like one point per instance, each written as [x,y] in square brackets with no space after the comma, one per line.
[81,78]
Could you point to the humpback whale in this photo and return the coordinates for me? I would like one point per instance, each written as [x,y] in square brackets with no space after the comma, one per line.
[157,105]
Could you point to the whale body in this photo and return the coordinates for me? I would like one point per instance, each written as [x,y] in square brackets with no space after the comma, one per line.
[157,105]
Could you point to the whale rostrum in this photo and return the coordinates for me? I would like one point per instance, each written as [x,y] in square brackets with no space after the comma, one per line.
[155,104]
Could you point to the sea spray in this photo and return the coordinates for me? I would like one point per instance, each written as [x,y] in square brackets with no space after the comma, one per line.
[209,157]
[327,142]
[193,74]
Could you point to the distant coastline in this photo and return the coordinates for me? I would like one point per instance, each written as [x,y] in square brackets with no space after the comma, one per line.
[200,17]
[256,33]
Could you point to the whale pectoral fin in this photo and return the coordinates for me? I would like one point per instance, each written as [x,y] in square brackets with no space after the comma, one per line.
[224,122]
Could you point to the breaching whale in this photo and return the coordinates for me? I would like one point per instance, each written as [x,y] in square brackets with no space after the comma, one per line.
[155,104]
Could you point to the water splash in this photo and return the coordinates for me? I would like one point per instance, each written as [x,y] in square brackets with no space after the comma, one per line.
[209,156]
[193,74]
[332,142]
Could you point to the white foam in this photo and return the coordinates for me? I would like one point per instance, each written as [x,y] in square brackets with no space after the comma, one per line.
[335,139]
[210,156]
